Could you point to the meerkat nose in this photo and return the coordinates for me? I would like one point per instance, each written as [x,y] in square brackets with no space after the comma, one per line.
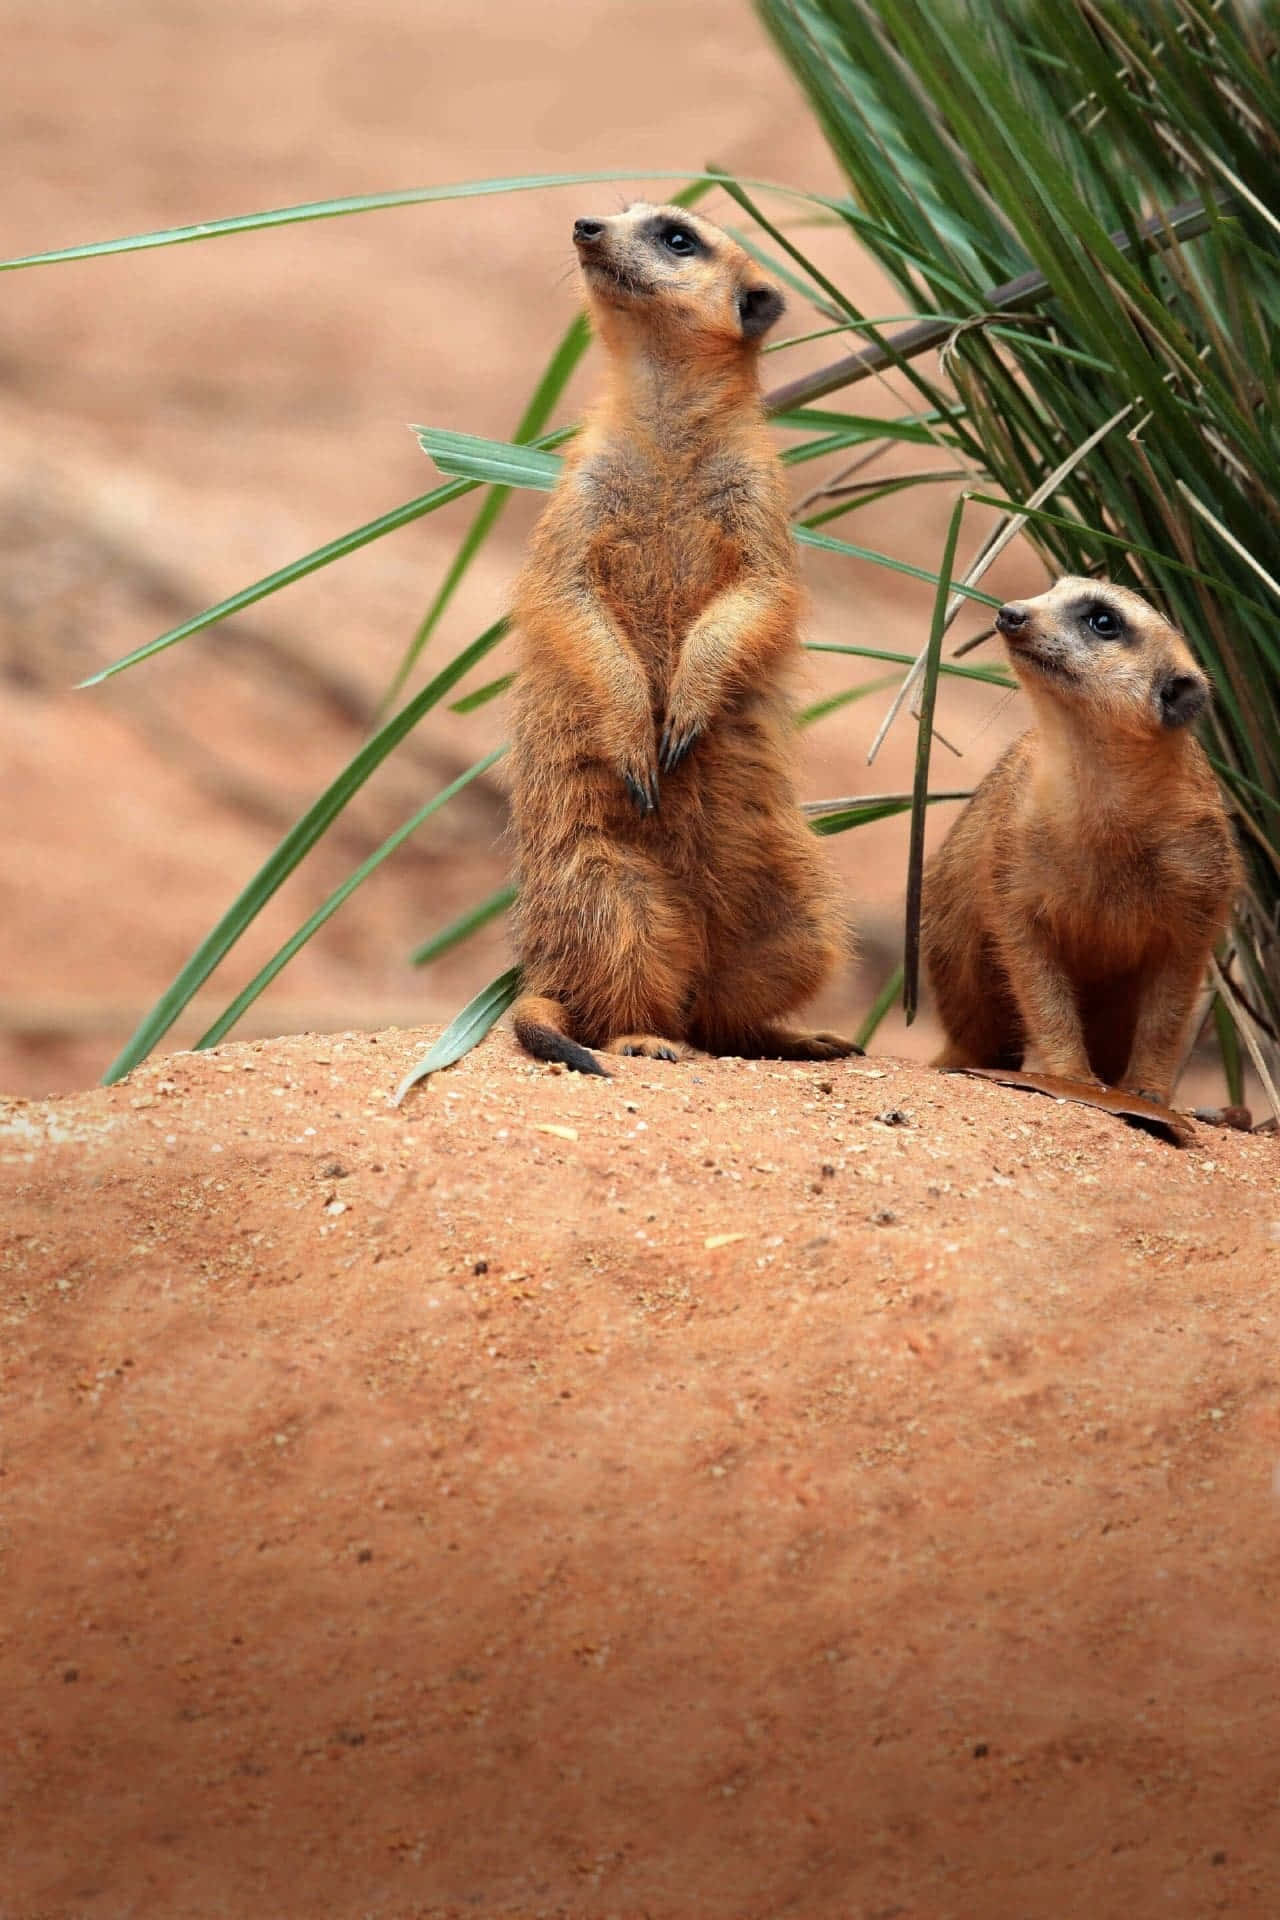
[587,232]
[1011,617]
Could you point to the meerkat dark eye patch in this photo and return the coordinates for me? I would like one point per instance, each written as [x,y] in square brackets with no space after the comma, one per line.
[1103,621]
[1181,698]
[680,240]
[758,308]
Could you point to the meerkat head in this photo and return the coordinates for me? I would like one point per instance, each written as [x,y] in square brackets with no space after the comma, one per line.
[1085,643]
[664,269]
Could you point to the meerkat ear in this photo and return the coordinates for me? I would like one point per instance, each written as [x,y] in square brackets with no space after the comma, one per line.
[758,308]
[1181,697]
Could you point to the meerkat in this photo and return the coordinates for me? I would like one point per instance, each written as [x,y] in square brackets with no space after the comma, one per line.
[669,888]
[1072,908]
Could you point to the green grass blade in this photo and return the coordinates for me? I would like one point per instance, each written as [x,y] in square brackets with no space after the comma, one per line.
[842,816]
[879,1008]
[498,461]
[924,744]
[463,927]
[1235,778]
[403,197]
[857,499]
[296,844]
[843,326]
[285,576]
[917,427]
[281,958]
[483,695]
[466,1031]
[810,537]
[809,716]
[852,432]
[990,676]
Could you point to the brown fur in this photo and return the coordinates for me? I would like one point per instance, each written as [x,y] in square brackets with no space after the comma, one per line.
[1073,906]
[669,888]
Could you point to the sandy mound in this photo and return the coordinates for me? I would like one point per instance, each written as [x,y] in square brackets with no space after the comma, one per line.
[725,1490]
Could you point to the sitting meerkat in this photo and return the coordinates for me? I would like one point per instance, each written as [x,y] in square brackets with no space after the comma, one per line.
[1073,906]
[669,887]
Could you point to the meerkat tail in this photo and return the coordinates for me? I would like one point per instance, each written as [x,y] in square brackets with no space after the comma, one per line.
[541,1027]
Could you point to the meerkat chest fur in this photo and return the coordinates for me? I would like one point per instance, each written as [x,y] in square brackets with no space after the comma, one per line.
[666,528]
[1093,851]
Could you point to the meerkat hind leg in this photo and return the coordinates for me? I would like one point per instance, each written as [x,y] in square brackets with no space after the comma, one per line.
[1162,1017]
[613,938]
[542,1028]
[737,1008]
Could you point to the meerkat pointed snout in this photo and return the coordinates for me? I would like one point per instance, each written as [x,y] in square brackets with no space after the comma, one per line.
[1071,911]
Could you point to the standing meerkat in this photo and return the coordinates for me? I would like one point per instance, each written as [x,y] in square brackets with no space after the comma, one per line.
[669,888]
[1073,907]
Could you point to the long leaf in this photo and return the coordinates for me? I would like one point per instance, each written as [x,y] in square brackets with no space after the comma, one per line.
[285,576]
[294,944]
[492,690]
[499,461]
[464,1032]
[296,844]
[841,816]
[879,1008]
[407,197]
[848,696]
[463,927]
[990,676]
[924,742]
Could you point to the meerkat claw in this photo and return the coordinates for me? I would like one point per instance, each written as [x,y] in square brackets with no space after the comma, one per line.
[673,749]
[644,793]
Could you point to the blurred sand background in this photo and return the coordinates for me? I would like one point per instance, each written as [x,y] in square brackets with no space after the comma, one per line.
[174,424]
